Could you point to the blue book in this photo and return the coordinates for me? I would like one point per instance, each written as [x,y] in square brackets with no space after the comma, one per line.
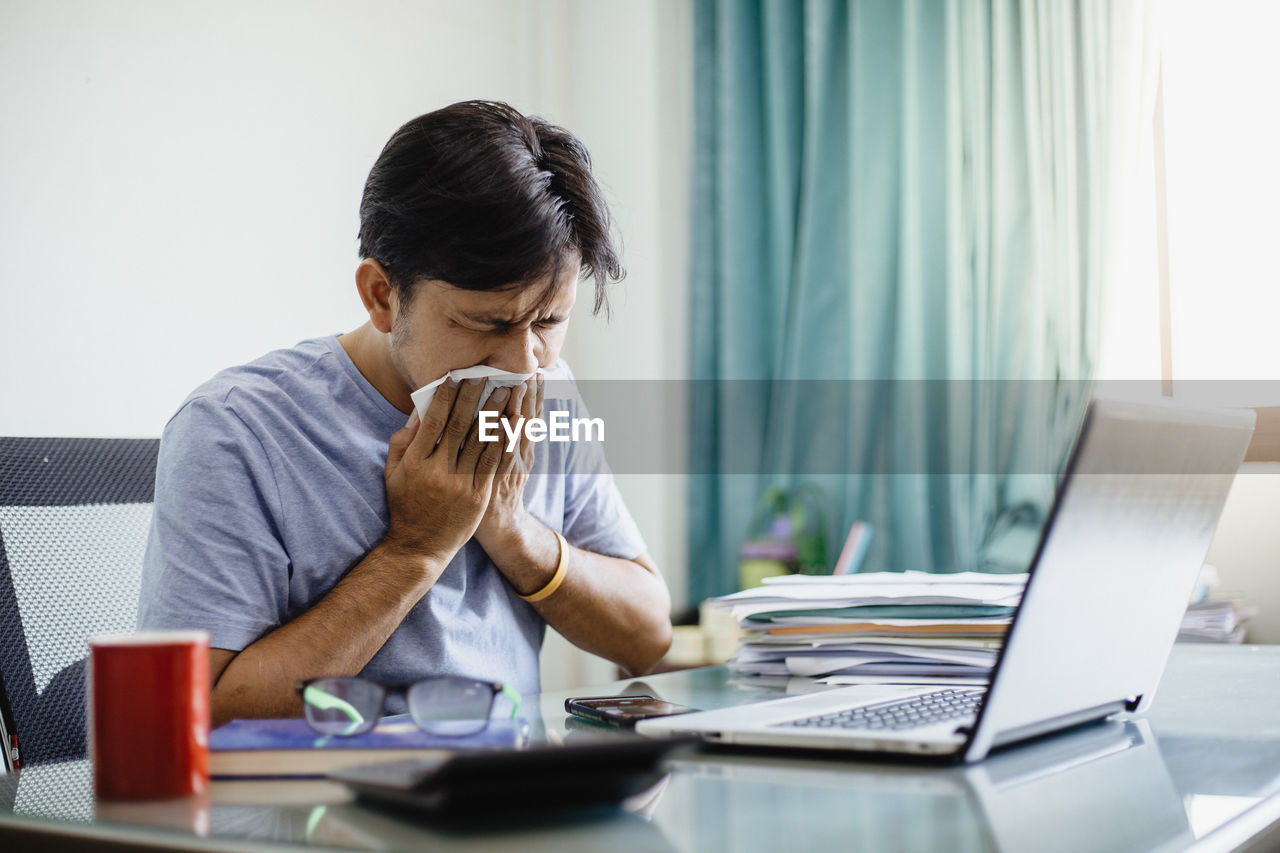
[280,748]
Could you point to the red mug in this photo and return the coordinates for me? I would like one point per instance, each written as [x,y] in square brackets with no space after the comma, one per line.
[149,714]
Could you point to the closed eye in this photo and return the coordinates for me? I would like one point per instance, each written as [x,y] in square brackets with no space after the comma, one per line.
[499,327]
[481,328]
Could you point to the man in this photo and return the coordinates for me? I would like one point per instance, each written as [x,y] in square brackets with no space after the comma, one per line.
[312,532]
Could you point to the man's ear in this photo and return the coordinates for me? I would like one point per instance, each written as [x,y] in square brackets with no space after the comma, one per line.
[377,294]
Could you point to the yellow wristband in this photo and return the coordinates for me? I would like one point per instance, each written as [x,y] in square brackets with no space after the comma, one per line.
[558,578]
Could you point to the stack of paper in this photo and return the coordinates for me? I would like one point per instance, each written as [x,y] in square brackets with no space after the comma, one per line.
[881,627]
[1215,622]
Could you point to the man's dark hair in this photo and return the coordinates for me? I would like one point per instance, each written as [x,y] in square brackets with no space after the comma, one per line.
[483,197]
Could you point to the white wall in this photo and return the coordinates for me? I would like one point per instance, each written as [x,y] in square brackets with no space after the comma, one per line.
[1246,548]
[180,184]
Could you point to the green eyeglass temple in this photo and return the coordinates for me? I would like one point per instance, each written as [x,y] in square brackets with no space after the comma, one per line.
[514,696]
[320,698]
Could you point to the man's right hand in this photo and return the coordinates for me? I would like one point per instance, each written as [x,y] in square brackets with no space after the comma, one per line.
[439,475]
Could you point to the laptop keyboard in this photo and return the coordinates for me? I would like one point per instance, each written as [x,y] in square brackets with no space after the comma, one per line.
[936,707]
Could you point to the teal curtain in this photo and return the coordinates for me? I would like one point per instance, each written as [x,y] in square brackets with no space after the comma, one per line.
[905,191]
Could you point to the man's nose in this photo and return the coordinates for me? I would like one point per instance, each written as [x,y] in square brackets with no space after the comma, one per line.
[518,353]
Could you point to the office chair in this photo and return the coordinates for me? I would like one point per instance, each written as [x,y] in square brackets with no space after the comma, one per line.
[74,516]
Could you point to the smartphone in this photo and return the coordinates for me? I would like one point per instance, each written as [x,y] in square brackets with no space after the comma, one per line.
[623,711]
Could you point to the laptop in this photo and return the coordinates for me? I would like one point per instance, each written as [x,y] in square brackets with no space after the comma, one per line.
[1112,574]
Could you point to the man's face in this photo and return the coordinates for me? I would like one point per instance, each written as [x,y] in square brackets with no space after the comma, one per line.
[518,329]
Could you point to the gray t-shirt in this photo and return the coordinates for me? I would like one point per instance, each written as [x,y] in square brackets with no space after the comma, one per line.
[270,487]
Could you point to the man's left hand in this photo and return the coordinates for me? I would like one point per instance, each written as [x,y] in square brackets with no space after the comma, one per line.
[506,519]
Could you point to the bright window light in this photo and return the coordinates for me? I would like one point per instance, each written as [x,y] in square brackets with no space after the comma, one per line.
[1222,144]
[1222,177]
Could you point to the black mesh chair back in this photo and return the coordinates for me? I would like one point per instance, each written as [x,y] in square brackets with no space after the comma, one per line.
[74,516]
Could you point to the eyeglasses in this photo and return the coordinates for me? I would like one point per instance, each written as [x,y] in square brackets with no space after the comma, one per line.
[445,705]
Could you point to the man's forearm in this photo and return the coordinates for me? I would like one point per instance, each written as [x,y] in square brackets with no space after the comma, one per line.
[337,636]
[618,609]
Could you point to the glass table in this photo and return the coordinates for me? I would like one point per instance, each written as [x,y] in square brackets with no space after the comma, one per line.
[1200,771]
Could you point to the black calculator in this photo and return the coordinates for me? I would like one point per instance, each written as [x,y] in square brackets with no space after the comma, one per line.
[505,781]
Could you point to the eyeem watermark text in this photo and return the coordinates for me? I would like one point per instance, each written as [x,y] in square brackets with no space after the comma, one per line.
[559,428]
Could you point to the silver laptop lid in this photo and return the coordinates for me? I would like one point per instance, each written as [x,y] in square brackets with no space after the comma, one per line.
[1115,567]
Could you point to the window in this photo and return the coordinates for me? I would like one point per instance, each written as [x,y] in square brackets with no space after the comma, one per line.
[1211,172]
[1220,131]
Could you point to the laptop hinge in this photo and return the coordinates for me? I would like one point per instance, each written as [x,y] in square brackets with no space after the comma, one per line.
[1041,727]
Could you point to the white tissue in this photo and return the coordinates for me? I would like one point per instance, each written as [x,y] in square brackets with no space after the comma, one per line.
[494,377]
